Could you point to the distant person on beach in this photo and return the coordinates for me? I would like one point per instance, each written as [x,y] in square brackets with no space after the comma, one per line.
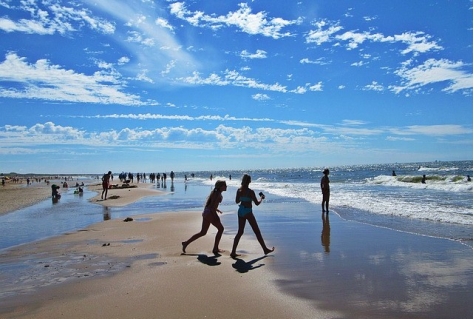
[172,176]
[325,190]
[54,191]
[244,197]
[423,179]
[393,173]
[468,178]
[209,216]
[105,184]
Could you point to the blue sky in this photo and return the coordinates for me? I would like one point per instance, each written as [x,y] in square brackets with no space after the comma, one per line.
[153,86]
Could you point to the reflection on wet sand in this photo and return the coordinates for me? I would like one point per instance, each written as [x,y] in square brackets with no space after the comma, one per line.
[326,232]
[106,212]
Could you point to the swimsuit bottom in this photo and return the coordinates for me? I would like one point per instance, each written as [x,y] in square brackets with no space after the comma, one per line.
[207,213]
[243,211]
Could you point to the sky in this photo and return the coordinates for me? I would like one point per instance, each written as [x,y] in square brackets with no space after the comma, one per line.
[153,86]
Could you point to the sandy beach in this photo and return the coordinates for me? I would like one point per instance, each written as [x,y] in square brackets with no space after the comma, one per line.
[136,269]
[14,196]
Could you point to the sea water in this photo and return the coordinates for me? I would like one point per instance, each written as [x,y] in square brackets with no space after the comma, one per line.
[441,207]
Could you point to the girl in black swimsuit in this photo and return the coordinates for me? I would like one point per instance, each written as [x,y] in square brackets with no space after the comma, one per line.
[209,216]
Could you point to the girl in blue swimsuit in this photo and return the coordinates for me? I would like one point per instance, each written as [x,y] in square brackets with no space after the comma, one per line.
[244,197]
[209,216]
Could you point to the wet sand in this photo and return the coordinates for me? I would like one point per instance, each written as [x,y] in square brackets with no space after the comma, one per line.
[120,196]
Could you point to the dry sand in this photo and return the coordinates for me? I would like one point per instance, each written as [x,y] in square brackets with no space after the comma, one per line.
[14,196]
[118,269]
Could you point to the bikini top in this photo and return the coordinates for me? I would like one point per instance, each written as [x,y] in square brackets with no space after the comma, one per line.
[245,198]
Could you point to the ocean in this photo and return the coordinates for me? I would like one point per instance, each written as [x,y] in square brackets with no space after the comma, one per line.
[442,207]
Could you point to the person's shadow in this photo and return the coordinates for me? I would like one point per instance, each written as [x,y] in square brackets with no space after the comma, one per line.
[209,260]
[245,266]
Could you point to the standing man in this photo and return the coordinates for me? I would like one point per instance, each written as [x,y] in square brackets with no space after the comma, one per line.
[105,184]
[172,176]
[325,190]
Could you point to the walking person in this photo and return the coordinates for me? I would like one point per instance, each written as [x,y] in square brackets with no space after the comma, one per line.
[245,196]
[325,190]
[105,184]
[209,216]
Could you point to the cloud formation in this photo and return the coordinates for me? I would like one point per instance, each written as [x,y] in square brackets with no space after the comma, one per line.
[44,81]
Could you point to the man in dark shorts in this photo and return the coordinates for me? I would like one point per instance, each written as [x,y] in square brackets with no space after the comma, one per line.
[105,184]
[325,190]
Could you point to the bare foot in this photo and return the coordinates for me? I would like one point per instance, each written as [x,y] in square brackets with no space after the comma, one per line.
[217,251]
[234,255]
[184,246]
[267,251]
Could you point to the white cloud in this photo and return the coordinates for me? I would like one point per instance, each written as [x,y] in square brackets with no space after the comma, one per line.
[259,54]
[45,81]
[48,18]
[432,130]
[319,61]
[374,86]
[169,67]
[123,60]
[329,31]
[243,19]
[358,64]
[353,122]
[323,33]
[143,37]
[232,78]
[137,37]
[394,139]
[164,24]
[316,87]
[260,97]
[417,42]
[454,74]
[299,90]
[369,18]
[49,133]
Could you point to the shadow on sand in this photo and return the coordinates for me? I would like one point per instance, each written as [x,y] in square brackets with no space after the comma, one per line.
[243,266]
[207,260]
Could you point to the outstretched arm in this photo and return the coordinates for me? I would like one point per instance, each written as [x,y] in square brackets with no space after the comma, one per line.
[254,198]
